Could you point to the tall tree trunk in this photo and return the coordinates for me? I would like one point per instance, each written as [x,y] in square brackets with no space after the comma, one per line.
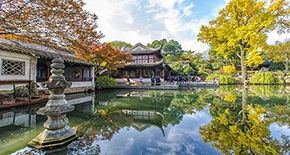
[243,65]
[244,103]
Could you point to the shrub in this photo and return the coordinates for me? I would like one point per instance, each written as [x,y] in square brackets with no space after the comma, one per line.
[212,76]
[226,79]
[222,79]
[264,78]
[103,82]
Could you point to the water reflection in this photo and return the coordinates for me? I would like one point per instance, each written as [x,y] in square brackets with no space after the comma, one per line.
[244,129]
[19,125]
[241,120]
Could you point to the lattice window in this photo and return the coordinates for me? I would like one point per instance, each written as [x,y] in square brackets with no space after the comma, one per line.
[12,67]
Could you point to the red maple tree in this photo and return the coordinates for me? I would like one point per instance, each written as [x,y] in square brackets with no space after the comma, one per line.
[103,56]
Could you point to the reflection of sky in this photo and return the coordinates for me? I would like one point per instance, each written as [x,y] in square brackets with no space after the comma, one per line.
[277,131]
[183,138]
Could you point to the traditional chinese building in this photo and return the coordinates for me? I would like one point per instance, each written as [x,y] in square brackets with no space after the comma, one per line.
[146,62]
[23,62]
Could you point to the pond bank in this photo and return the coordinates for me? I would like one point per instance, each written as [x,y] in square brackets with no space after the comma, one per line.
[166,85]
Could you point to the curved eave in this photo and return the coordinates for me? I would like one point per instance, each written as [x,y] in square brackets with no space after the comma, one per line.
[145,50]
[67,57]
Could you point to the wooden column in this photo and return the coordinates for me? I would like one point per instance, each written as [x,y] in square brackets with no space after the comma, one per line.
[29,95]
[14,93]
[83,76]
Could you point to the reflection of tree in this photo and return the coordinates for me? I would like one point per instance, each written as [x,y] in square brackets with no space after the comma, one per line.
[265,91]
[279,114]
[251,136]
[104,124]
[172,115]
[241,132]
[190,101]
[84,145]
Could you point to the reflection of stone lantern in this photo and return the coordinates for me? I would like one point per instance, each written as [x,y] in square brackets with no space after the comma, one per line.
[56,131]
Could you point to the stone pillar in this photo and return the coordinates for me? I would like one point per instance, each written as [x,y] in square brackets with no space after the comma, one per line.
[56,132]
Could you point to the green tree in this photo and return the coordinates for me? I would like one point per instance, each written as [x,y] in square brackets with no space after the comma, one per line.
[171,50]
[280,52]
[121,45]
[188,70]
[202,66]
[188,54]
[157,43]
[178,67]
[244,24]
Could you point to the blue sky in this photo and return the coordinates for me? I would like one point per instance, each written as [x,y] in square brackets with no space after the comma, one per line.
[144,21]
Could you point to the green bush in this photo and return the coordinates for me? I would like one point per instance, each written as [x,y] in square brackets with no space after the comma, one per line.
[212,76]
[264,78]
[288,74]
[226,79]
[103,82]
[222,79]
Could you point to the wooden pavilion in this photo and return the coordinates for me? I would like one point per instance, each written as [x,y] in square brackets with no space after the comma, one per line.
[146,62]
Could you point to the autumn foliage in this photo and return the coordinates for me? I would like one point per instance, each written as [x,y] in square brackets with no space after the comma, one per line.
[48,22]
[242,28]
[104,56]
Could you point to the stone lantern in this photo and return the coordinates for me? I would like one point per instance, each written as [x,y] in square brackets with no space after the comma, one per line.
[57,133]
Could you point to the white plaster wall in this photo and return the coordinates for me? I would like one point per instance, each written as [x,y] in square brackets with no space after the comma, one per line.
[82,84]
[69,70]
[29,70]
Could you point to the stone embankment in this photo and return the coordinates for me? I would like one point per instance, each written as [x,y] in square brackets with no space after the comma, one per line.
[166,85]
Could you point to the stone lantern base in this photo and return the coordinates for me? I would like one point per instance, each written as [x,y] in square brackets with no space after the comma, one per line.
[53,139]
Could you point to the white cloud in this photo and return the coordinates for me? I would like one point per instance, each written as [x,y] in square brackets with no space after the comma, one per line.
[136,21]
[274,36]
[115,20]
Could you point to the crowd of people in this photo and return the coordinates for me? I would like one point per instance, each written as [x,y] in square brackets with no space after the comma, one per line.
[185,79]
[155,80]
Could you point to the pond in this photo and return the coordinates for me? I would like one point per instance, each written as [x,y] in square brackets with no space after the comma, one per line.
[224,120]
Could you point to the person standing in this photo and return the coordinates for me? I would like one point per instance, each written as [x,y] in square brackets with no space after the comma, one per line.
[128,80]
[141,80]
[152,80]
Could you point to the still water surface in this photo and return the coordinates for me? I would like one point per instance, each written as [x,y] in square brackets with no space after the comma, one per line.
[225,120]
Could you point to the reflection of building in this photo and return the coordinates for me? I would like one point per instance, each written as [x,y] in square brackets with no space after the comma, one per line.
[146,62]
[145,119]
[19,125]
[28,61]
[145,110]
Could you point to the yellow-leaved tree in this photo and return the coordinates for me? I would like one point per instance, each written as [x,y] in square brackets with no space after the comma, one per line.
[242,27]
[230,69]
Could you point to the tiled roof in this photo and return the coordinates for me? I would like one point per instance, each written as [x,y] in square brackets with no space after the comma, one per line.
[39,51]
[142,49]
